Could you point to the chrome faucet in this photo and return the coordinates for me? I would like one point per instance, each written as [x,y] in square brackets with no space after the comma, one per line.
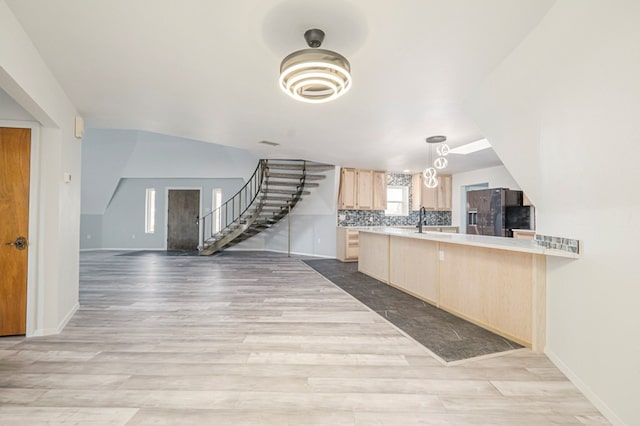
[423,211]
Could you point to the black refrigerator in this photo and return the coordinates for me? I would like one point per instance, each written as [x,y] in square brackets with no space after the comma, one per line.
[497,211]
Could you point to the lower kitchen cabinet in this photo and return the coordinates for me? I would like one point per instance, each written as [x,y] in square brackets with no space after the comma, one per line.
[347,244]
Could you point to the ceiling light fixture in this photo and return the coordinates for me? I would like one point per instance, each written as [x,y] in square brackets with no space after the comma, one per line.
[430,173]
[469,148]
[315,75]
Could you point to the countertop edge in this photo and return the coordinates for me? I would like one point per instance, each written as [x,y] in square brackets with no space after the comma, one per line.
[510,244]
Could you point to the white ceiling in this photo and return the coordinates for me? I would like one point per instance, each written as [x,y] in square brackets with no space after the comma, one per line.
[208,70]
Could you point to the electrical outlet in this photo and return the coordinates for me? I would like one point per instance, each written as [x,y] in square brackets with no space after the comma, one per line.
[88,236]
[342,216]
[371,219]
[133,236]
[441,253]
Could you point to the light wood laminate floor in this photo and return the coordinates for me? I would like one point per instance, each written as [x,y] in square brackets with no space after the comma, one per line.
[256,339]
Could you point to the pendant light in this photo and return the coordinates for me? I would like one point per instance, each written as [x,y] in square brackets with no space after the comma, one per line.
[430,173]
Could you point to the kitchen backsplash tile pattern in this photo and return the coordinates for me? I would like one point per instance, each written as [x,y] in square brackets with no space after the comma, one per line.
[378,218]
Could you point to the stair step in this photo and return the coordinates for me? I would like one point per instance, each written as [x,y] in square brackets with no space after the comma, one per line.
[295,176]
[283,191]
[310,167]
[294,183]
[276,198]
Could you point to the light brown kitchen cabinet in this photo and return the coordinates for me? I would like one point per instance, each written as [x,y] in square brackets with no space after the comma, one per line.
[364,199]
[347,191]
[379,190]
[347,244]
[438,198]
[362,189]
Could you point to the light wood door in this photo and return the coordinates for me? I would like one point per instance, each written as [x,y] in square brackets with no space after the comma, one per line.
[183,212]
[365,190]
[379,190]
[347,194]
[15,154]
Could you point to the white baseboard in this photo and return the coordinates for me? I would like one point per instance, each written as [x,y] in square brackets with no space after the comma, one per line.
[124,249]
[585,389]
[297,253]
[60,327]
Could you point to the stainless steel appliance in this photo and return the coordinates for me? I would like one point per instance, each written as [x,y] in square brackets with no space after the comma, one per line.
[496,212]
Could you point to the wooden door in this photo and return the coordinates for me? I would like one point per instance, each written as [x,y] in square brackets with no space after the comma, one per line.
[15,160]
[182,224]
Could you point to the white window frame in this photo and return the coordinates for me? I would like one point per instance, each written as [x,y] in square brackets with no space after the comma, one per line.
[150,211]
[404,203]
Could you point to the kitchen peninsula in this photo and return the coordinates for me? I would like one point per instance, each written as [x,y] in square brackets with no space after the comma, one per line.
[497,283]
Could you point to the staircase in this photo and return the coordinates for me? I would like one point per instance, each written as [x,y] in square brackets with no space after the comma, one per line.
[273,190]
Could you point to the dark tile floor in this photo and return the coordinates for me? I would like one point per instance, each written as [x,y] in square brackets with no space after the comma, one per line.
[448,336]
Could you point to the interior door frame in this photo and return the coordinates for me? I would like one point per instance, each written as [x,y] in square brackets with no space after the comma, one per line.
[35,283]
[166,210]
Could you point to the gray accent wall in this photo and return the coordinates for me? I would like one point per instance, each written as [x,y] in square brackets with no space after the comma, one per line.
[123,224]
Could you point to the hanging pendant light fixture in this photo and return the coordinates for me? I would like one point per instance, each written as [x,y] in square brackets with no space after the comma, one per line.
[315,75]
[430,173]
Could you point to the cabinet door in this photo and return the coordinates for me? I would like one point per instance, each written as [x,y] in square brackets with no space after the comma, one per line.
[416,191]
[347,193]
[353,245]
[444,192]
[364,197]
[379,190]
[429,195]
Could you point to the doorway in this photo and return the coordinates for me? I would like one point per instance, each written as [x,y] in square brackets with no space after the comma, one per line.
[183,212]
[15,162]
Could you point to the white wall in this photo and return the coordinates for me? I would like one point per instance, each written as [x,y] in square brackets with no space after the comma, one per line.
[112,156]
[313,222]
[55,212]
[562,113]
[496,177]
[10,110]
[109,155]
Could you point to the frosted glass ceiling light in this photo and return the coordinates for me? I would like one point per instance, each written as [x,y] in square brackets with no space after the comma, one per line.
[315,75]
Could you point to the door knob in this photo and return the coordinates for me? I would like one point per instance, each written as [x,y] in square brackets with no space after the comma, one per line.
[20,243]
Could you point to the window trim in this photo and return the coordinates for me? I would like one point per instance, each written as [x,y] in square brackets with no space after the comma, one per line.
[404,203]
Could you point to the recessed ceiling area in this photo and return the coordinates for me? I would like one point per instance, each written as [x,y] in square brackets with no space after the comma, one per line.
[208,70]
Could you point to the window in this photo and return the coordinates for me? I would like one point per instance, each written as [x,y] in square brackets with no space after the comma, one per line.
[217,217]
[150,211]
[397,201]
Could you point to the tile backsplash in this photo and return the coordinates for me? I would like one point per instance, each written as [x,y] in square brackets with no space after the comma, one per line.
[378,218]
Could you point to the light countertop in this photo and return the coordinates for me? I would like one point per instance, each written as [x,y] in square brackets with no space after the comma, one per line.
[500,243]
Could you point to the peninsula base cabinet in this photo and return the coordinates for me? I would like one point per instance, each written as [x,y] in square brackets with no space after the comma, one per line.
[500,290]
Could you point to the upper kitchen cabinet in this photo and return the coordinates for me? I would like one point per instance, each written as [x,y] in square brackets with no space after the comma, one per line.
[379,190]
[438,198]
[362,190]
[364,199]
[347,191]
